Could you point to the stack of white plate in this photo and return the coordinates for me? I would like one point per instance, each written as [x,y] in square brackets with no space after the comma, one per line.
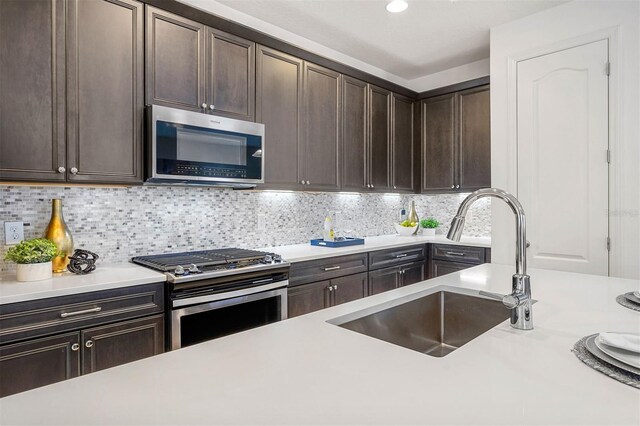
[633,297]
[621,350]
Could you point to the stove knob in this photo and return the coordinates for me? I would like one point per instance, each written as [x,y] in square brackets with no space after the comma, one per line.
[277,258]
[179,270]
[268,258]
[194,269]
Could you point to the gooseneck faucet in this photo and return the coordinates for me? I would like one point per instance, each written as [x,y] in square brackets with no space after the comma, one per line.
[519,301]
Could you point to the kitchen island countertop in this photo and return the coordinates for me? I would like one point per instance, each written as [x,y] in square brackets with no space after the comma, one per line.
[308,371]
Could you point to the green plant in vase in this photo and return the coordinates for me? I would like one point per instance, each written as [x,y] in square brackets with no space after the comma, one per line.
[429,226]
[33,259]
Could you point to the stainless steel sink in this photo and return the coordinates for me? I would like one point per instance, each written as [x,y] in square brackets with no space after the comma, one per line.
[435,325]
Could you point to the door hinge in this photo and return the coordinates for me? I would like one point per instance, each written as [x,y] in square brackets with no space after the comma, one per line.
[608,156]
[608,243]
[607,68]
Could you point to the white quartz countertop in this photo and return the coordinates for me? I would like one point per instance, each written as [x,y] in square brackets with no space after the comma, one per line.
[105,277]
[302,252]
[307,371]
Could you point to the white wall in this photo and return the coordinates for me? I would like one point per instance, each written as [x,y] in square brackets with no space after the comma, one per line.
[619,20]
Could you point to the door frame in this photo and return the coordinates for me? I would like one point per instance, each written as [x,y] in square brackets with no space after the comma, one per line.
[615,172]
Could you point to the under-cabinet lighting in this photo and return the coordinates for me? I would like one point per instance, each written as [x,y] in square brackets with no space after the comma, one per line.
[396,6]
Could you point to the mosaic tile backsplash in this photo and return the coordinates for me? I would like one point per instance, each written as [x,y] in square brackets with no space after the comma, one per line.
[118,223]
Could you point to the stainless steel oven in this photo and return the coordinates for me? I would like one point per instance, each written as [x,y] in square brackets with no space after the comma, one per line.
[193,148]
[224,306]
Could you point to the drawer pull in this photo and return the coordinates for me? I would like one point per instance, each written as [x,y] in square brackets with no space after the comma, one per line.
[398,256]
[455,253]
[89,343]
[331,268]
[75,347]
[86,311]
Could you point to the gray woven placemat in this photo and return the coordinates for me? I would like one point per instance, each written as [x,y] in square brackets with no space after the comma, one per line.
[614,372]
[627,303]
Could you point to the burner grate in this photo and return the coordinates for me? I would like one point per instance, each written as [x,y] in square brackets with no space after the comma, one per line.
[168,262]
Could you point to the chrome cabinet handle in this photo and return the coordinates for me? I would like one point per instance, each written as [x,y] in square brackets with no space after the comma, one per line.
[394,187]
[335,287]
[457,186]
[204,106]
[453,186]
[308,182]
[211,107]
[398,256]
[331,268]
[302,182]
[89,343]
[330,288]
[372,185]
[455,253]
[86,311]
[74,170]
[61,169]
[75,347]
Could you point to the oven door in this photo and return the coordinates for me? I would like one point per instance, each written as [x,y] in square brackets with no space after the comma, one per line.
[221,314]
[196,147]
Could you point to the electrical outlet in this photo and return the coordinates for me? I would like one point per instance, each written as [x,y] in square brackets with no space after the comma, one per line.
[262,222]
[13,232]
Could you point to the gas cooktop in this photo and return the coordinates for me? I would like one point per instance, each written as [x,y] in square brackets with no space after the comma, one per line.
[196,265]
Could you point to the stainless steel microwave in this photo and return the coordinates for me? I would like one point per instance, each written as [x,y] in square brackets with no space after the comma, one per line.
[193,148]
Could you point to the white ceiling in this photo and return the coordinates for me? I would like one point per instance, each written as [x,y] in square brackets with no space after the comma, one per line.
[430,36]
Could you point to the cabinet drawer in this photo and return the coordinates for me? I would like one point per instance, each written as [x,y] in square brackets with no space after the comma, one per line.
[324,269]
[474,255]
[443,267]
[396,256]
[58,314]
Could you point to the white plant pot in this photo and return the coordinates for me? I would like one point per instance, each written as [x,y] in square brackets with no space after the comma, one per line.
[34,271]
[429,232]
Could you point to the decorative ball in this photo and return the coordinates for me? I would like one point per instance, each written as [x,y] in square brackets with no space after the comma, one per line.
[82,262]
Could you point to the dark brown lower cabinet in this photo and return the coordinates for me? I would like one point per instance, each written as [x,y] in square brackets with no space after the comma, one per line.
[445,258]
[386,279]
[307,298]
[39,362]
[444,267]
[116,344]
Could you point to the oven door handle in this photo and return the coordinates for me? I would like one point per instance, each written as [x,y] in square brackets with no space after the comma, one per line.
[228,294]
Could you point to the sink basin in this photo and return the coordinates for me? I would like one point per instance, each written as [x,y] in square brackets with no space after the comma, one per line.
[436,324]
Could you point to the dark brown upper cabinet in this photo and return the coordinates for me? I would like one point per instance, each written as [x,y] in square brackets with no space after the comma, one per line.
[474,159]
[97,138]
[379,139]
[230,75]
[402,143]
[32,84]
[279,107]
[456,141]
[105,88]
[194,67]
[355,146]
[320,141]
[175,61]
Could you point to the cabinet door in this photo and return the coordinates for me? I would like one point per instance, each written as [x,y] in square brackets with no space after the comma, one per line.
[438,142]
[32,88]
[354,134]
[383,280]
[39,362]
[441,267]
[379,134]
[278,106]
[105,78]
[308,298]
[412,273]
[402,143]
[474,158]
[175,60]
[231,65]
[320,141]
[120,343]
[346,289]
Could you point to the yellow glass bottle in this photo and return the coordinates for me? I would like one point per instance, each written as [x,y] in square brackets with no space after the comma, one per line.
[58,232]
[413,216]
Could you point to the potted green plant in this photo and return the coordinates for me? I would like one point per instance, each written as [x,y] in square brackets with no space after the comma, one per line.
[429,226]
[33,258]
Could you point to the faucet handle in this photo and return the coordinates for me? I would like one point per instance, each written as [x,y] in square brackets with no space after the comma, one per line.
[511,301]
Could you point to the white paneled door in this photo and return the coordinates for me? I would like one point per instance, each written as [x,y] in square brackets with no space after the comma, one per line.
[563,126]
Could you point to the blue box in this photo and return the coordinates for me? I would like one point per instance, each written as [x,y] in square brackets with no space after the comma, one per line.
[348,241]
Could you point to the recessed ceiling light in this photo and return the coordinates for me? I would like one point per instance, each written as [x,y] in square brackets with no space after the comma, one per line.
[396,6]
